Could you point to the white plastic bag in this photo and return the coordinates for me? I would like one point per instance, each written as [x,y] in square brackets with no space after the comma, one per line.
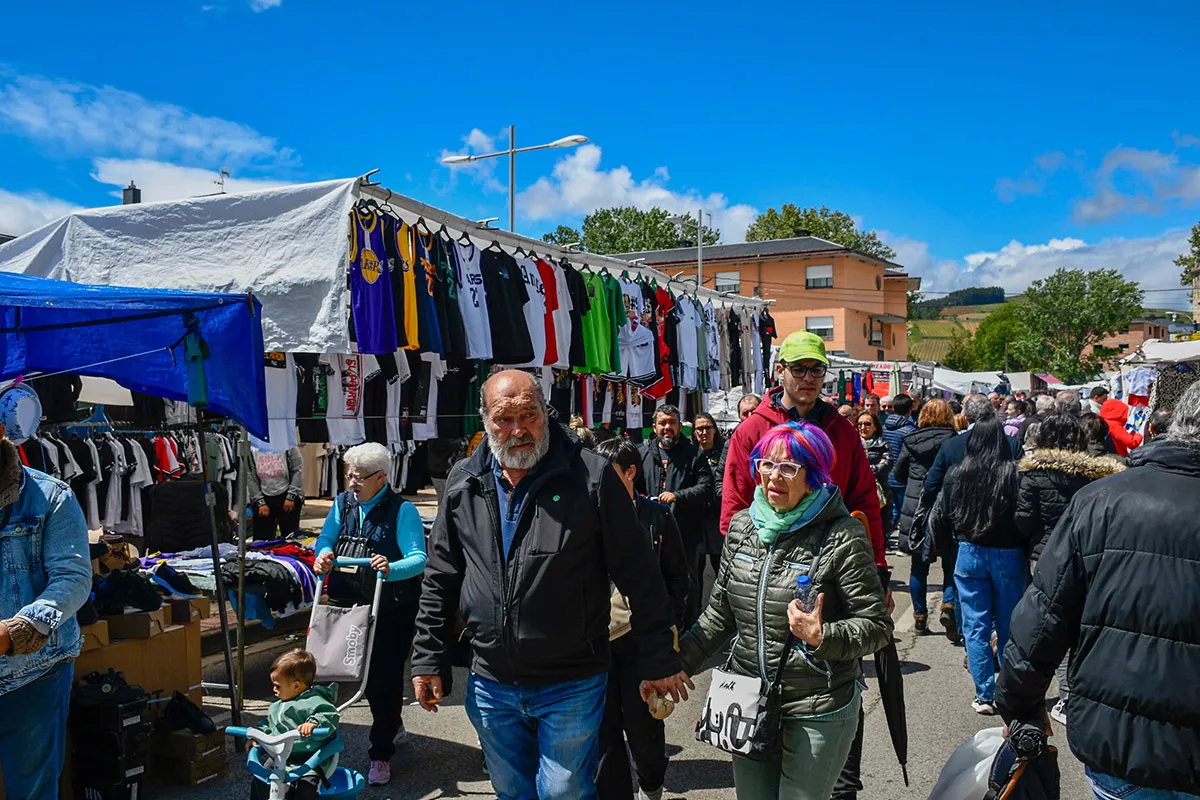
[965,776]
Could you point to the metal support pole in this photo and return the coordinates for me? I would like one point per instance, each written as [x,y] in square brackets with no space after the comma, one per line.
[512,178]
[700,248]
[210,500]
[239,503]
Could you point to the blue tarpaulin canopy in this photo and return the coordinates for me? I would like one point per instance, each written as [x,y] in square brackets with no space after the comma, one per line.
[146,339]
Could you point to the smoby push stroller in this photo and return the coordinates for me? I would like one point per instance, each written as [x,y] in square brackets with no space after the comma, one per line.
[340,638]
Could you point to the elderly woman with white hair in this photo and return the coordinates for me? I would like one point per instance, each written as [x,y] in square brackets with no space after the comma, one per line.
[372,521]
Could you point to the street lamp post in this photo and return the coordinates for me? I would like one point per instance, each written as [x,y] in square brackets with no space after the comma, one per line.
[511,152]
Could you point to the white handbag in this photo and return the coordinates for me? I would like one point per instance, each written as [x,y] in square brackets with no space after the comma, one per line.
[733,712]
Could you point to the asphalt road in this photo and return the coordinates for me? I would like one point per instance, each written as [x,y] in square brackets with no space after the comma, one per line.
[441,760]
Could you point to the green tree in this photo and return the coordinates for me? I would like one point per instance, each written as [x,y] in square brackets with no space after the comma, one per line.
[1069,312]
[914,297]
[563,235]
[627,229]
[961,355]
[834,226]
[1189,262]
[995,339]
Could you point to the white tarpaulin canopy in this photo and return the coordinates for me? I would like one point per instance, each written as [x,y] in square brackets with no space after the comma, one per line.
[1155,351]
[964,383]
[287,245]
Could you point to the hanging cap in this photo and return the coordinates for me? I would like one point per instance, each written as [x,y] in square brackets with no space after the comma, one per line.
[801,346]
[20,413]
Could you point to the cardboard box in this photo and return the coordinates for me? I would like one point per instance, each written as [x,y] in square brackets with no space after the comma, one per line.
[138,625]
[183,772]
[95,635]
[161,665]
[185,612]
[190,746]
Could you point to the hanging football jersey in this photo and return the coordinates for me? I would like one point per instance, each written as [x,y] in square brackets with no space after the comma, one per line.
[534,310]
[445,298]
[404,288]
[426,280]
[506,295]
[637,352]
[471,301]
[562,318]
[280,373]
[370,283]
[596,327]
[617,320]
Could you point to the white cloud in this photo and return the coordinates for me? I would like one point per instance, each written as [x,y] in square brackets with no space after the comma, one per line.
[482,172]
[263,5]
[1147,260]
[162,181]
[1133,181]
[1035,178]
[24,212]
[100,120]
[579,186]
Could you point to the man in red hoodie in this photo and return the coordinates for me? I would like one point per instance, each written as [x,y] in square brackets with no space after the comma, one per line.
[801,373]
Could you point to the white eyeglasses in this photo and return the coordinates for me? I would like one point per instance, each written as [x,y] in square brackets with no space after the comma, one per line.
[788,469]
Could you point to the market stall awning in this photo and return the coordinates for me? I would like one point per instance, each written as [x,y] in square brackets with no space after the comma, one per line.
[964,383]
[1155,351]
[140,338]
[287,245]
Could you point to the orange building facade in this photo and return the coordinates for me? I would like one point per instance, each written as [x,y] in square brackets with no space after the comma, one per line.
[1129,339]
[855,302]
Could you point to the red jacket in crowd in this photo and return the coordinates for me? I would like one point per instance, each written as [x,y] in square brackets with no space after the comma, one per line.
[1115,412]
[851,471]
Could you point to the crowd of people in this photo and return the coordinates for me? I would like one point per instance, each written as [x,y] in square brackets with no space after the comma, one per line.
[585,582]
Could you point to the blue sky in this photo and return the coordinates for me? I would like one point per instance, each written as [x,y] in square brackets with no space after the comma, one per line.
[989,146]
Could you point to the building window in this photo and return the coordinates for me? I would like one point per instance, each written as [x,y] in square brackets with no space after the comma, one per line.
[728,282]
[1125,330]
[821,326]
[879,355]
[878,283]
[1124,346]
[818,277]
[893,338]
[865,334]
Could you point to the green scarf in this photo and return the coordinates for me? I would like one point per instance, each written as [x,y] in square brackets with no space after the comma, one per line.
[770,523]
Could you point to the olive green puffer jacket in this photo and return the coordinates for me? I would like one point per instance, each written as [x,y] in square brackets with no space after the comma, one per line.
[755,584]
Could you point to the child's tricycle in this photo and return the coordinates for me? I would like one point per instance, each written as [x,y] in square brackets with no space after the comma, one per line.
[344,784]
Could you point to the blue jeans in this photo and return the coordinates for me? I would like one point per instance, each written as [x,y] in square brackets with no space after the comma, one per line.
[918,586]
[539,742]
[1106,787]
[33,733]
[990,582]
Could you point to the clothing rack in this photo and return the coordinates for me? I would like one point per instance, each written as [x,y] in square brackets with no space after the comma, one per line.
[435,221]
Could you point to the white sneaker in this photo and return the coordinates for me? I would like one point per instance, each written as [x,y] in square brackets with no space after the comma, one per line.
[983,707]
[380,773]
[401,734]
[1059,713]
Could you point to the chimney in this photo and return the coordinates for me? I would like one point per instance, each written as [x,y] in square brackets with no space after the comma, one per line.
[802,232]
[131,195]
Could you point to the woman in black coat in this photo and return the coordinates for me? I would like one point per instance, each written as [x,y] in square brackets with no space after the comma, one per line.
[917,452]
[1060,464]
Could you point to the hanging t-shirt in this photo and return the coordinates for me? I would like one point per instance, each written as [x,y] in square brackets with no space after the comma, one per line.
[375,374]
[665,382]
[712,339]
[723,343]
[312,397]
[506,295]
[649,304]
[371,308]
[596,326]
[562,318]
[759,356]
[617,319]
[426,280]
[637,351]
[631,293]
[601,402]
[734,333]
[688,357]
[345,416]
[398,242]
[550,285]
[428,429]
[452,390]
[534,310]
[577,288]
[280,373]
[454,335]
[633,407]
[471,301]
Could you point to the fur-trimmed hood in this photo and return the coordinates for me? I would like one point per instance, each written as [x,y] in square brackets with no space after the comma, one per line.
[1071,462]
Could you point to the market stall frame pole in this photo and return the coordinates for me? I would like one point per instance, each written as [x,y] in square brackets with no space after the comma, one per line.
[240,502]
[210,500]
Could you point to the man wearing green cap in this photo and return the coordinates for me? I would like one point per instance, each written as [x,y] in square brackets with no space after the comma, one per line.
[801,375]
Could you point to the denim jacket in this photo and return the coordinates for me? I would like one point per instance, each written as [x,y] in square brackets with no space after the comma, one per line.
[45,569]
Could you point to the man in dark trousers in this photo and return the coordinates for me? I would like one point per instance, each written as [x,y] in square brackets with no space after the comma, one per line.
[529,532]
[676,473]
[897,426]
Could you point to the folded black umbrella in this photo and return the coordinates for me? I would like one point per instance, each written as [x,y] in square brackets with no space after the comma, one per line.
[891,690]
[1025,767]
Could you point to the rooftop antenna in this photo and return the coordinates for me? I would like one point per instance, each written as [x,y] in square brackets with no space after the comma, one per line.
[221,181]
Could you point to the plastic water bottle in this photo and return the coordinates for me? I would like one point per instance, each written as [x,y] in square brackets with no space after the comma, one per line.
[806,593]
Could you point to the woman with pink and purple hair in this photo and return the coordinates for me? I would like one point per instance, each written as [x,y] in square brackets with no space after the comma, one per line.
[796,513]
